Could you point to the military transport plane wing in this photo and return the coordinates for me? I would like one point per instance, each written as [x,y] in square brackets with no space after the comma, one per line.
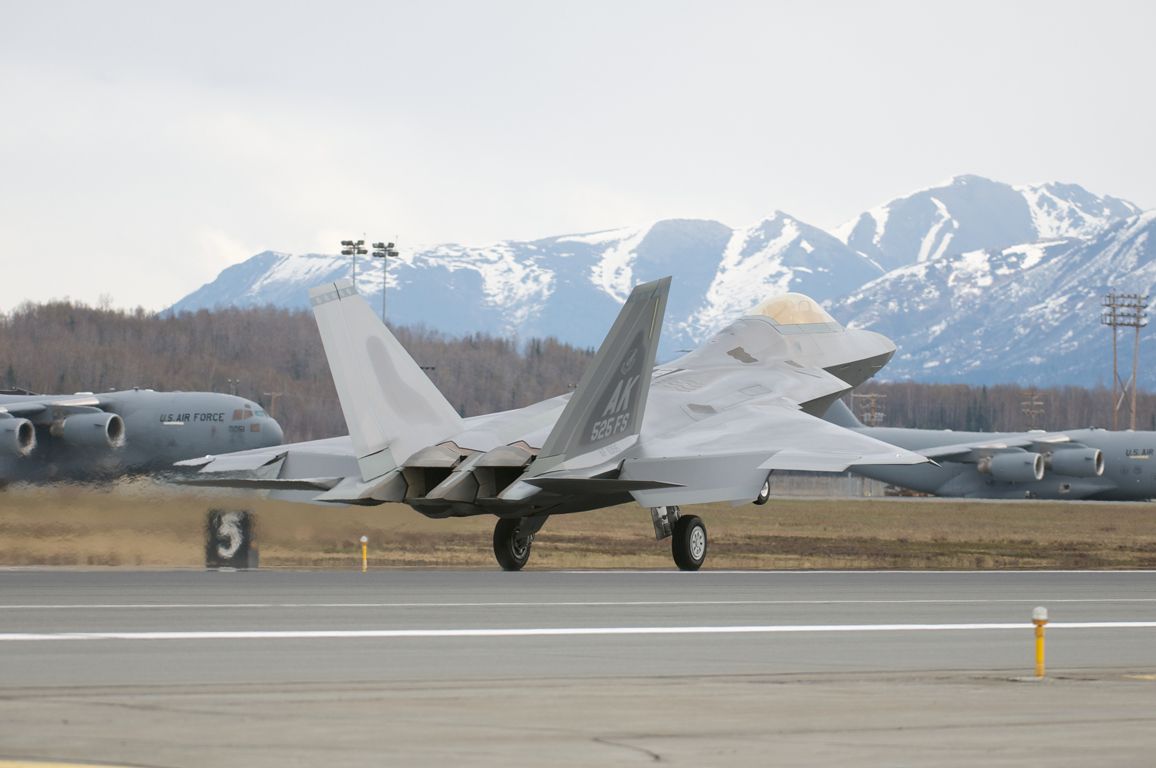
[86,435]
[1070,464]
[710,426]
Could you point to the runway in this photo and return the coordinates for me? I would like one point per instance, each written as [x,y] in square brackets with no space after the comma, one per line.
[679,665]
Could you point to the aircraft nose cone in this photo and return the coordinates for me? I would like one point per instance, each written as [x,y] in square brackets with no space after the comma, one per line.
[272,430]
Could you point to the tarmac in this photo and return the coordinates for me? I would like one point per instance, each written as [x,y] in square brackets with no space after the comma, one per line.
[428,667]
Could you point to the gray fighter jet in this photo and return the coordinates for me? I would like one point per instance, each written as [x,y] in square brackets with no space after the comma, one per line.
[90,436]
[1072,464]
[709,426]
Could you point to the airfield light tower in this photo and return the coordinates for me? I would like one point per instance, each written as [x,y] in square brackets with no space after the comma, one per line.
[1124,310]
[385,252]
[871,412]
[353,248]
[1033,407]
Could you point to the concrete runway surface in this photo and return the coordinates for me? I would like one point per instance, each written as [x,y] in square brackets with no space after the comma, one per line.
[429,667]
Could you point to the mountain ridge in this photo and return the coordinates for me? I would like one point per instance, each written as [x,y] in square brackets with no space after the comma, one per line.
[943,271]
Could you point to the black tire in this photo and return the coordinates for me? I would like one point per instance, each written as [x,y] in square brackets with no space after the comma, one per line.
[511,549]
[765,493]
[688,543]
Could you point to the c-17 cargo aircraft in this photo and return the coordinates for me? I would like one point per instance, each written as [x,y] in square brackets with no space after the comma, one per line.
[709,426]
[95,436]
[1070,464]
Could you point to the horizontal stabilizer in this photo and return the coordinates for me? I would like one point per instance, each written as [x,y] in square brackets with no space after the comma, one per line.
[596,485]
[263,483]
[317,465]
[242,461]
[200,461]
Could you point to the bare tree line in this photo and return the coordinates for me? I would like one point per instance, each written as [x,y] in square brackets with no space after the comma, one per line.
[275,357]
[1001,407]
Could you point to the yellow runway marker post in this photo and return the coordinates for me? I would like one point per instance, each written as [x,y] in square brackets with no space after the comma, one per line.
[364,554]
[1040,619]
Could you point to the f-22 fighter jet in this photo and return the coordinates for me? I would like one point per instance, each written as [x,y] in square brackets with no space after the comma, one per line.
[709,426]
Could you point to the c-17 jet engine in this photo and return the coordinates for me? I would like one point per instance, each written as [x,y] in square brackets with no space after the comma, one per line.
[1077,462]
[90,430]
[17,437]
[1015,467]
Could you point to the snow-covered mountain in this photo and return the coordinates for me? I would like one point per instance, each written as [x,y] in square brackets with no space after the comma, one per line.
[569,286]
[1026,313]
[975,280]
[776,255]
[971,213]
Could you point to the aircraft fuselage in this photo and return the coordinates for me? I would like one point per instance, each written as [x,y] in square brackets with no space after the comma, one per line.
[1129,467]
[159,428]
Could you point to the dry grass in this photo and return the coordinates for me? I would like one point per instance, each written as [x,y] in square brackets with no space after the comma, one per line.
[147,525]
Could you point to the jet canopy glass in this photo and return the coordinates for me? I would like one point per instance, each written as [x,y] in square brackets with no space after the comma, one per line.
[793,309]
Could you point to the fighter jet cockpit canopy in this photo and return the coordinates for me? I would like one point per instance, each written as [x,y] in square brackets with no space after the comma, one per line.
[795,310]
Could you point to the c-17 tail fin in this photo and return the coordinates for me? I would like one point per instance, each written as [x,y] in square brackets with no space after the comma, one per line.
[842,416]
[608,405]
[391,407]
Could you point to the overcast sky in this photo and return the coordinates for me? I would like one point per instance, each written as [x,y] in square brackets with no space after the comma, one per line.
[145,146]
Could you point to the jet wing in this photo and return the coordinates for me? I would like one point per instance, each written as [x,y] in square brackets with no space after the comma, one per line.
[974,451]
[30,408]
[730,455]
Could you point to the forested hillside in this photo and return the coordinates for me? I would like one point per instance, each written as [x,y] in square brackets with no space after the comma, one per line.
[275,357]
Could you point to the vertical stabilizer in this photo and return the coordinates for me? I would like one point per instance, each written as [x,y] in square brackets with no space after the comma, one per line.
[391,407]
[842,416]
[608,405]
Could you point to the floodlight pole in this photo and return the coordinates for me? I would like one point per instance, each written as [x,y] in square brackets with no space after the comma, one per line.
[1032,407]
[353,248]
[1128,310]
[873,415]
[385,252]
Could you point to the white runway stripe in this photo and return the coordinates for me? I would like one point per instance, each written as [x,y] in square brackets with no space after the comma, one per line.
[357,634]
[565,604]
[865,572]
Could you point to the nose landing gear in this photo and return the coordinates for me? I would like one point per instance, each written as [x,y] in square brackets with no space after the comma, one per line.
[764,493]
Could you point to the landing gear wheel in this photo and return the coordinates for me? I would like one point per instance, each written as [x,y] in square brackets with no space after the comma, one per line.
[688,543]
[510,547]
[765,493]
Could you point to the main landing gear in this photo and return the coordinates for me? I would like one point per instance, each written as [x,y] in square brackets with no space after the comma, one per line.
[514,536]
[512,539]
[688,542]
[511,545]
